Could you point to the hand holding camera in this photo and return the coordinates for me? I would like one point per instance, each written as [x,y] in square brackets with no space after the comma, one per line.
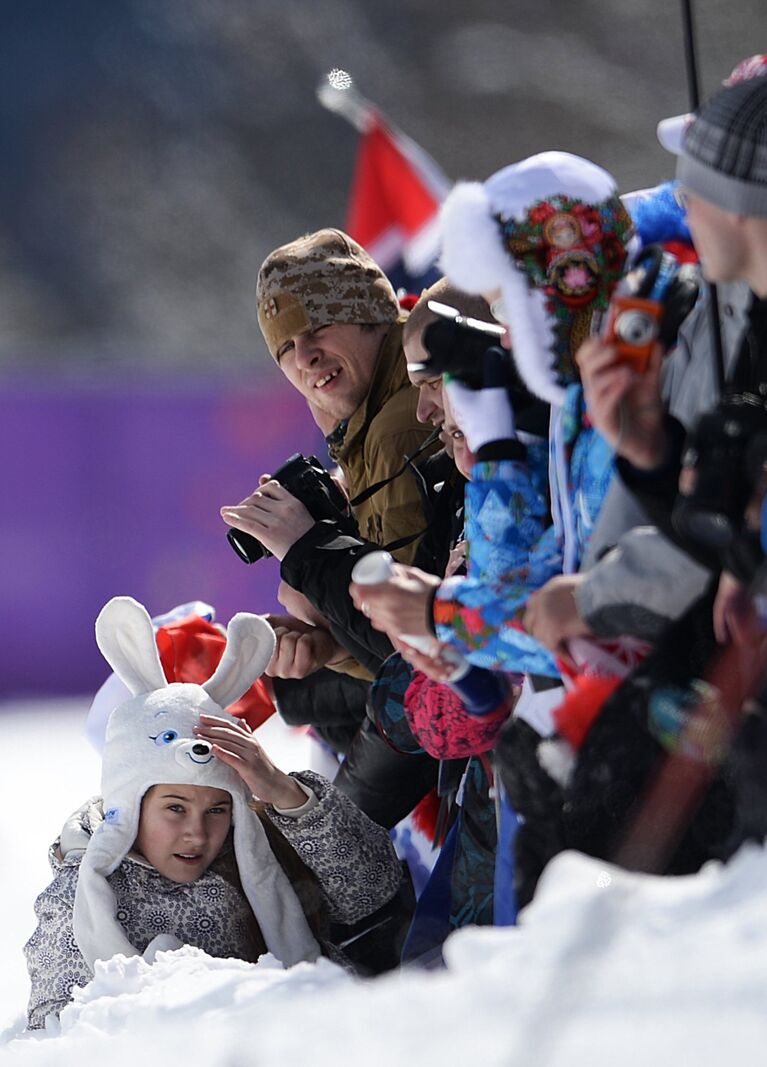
[649,306]
[487,394]
[485,414]
[624,406]
[283,508]
[271,515]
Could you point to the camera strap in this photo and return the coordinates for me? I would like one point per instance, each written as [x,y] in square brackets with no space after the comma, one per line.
[360,498]
[366,494]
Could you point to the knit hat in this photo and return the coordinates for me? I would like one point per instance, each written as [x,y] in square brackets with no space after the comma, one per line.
[318,280]
[552,234]
[671,131]
[723,157]
[150,740]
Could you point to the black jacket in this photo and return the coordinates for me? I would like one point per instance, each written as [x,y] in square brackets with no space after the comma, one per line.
[334,704]
[320,563]
[384,783]
[656,490]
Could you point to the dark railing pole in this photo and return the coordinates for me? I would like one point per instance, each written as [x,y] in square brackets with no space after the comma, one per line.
[690,56]
[693,92]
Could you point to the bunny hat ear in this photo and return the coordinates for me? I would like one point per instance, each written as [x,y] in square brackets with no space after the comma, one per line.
[250,644]
[126,637]
[151,739]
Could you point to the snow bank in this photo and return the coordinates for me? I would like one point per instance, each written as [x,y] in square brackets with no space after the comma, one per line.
[607,967]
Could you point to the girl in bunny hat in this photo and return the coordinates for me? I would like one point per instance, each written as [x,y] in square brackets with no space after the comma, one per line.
[197,838]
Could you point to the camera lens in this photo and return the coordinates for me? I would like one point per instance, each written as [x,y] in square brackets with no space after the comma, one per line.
[247,547]
[635,328]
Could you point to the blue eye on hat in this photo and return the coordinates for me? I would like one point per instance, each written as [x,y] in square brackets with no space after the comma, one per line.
[165,738]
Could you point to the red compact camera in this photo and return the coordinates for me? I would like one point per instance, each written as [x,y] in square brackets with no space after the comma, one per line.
[650,305]
[633,326]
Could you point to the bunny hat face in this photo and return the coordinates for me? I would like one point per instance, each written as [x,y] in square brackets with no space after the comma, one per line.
[149,740]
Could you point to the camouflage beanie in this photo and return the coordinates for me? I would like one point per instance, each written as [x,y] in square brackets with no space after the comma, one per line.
[320,279]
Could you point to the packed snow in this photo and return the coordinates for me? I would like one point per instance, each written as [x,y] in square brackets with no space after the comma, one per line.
[606,967]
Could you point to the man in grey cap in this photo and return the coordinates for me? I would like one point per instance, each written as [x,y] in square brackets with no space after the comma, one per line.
[643,581]
[722,168]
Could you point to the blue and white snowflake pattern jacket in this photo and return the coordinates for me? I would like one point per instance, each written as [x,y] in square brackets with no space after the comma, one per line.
[513,550]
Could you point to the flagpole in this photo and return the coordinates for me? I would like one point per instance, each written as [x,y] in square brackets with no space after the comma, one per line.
[337,93]
[399,179]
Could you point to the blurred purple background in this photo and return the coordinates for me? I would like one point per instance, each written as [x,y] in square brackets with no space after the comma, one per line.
[113,486]
[153,152]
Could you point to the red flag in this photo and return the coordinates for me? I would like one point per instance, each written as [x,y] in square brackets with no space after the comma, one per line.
[395,198]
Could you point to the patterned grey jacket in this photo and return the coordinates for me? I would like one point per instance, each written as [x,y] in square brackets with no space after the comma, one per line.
[351,857]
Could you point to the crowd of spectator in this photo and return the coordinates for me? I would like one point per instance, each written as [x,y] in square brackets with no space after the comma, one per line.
[527,604]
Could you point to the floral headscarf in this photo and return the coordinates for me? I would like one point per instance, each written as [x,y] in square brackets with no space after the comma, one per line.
[552,234]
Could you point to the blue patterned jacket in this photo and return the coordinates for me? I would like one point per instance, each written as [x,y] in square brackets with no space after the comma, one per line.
[514,548]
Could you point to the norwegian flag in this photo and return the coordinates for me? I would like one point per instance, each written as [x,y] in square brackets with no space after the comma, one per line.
[604,657]
[394,204]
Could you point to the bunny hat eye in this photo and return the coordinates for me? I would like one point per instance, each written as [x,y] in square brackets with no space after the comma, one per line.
[167,737]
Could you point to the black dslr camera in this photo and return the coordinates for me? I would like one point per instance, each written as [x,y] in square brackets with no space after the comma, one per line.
[723,458]
[469,350]
[649,305]
[457,345]
[308,481]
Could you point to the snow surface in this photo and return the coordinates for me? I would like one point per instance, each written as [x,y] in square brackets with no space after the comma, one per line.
[606,968]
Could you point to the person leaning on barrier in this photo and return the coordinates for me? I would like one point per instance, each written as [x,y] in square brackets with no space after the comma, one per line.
[633,580]
[331,320]
[722,169]
[546,240]
[673,704]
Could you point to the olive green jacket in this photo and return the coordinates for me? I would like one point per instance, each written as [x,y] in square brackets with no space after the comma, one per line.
[380,433]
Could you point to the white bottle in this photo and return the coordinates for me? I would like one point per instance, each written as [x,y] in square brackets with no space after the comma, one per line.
[480,690]
[378,567]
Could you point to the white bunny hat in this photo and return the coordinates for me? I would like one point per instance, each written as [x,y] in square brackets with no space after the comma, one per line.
[150,740]
[551,233]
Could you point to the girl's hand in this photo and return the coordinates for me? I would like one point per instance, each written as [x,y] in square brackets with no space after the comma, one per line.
[234,743]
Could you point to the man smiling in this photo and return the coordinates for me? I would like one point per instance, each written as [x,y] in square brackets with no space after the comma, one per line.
[332,366]
[331,320]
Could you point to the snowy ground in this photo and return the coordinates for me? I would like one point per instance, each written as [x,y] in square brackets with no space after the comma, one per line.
[607,968]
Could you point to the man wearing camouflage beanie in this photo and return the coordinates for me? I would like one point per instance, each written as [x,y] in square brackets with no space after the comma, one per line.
[331,320]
